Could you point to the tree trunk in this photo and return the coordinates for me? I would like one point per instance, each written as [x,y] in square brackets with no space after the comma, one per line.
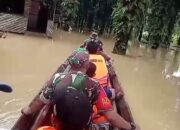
[121,44]
[171,24]
[101,31]
[140,32]
[178,42]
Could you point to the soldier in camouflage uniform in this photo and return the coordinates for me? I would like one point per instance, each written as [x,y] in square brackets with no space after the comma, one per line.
[93,37]
[76,79]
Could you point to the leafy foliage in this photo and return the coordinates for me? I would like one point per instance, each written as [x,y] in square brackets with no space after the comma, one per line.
[128,15]
[154,22]
[69,9]
[51,5]
[176,31]
[86,15]
[160,22]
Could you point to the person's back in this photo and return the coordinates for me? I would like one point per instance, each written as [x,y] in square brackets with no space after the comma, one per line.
[73,80]
[93,37]
[93,48]
[69,102]
[70,87]
[72,92]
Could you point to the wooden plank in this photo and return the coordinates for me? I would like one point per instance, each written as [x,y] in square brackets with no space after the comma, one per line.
[13,23]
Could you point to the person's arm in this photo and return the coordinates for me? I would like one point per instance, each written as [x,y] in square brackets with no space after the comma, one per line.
[84,44]
[65,67]
[45,97]
[34,107]
[115,82]
[116,120]
[105,108]
[61,68]
[106,57]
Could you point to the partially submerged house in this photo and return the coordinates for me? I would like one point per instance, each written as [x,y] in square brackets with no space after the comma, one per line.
[20,16]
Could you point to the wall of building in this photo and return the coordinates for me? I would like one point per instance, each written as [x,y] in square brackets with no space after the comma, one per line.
[27,7]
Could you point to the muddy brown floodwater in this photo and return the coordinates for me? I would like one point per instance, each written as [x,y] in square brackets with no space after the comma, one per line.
[151,79]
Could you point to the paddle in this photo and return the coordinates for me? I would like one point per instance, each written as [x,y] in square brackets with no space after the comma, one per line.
[5,87]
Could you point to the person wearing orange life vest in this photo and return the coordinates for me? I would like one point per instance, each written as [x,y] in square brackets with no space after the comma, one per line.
[110,92]
[93,48]
[77,80]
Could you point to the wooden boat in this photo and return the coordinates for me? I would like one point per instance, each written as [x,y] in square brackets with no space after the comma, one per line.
[42,118]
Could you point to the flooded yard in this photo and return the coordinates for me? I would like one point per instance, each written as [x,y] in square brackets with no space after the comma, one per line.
[151,79]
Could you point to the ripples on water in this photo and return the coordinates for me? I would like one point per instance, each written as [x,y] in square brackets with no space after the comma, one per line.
[150,78]
[172,67]
[8,118]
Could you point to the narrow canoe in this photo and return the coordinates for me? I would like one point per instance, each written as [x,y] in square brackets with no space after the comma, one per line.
[42,118]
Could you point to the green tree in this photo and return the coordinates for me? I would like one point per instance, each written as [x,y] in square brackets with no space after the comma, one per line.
[85,15]
[69,11]
[161,19]
[176,31]
[128,14]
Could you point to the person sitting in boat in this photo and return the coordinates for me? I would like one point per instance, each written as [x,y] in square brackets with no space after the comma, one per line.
[92,48]
[110,92]
[93,37]
[68,113]
[77,79]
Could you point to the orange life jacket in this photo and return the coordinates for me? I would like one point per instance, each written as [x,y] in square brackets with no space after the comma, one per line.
[102,76]
[101,70]
[46,128]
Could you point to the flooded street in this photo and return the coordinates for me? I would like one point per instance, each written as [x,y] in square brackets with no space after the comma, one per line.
[151,79]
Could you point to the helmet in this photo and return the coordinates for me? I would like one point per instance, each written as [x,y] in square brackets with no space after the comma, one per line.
[93,35]
[79,58]
[72,106]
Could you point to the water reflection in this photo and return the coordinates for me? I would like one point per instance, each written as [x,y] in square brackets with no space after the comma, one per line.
[159,92]
[172,73]
[177,73]
[172,67]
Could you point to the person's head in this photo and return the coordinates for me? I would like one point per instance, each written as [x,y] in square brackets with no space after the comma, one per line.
[72,107]
[79,59]
[92,47]
[91,70]
[94,35]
